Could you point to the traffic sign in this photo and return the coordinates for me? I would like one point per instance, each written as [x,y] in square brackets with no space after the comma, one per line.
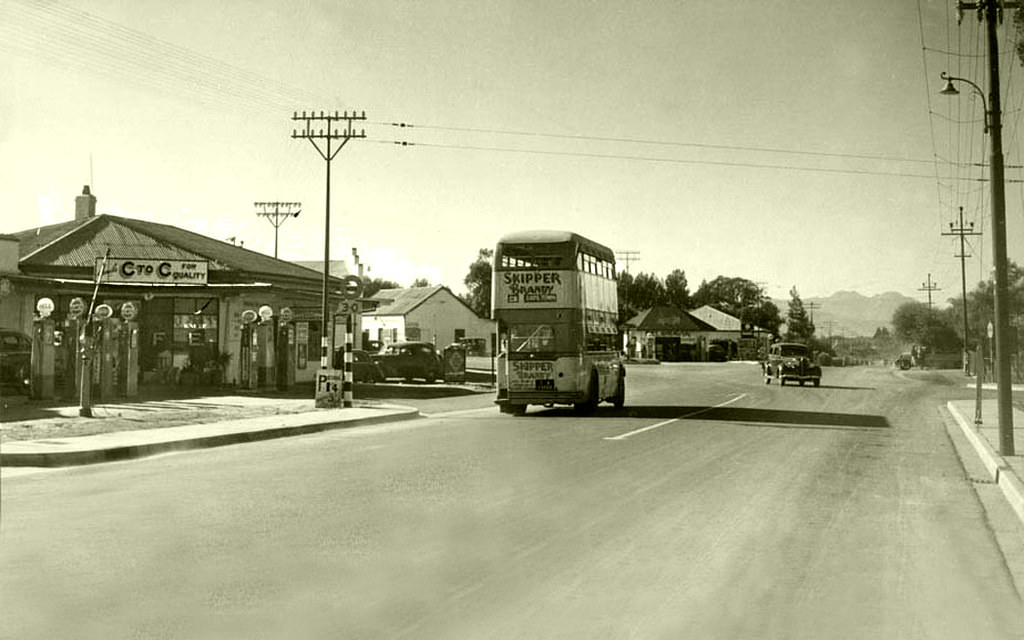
[346,307]
[352,287]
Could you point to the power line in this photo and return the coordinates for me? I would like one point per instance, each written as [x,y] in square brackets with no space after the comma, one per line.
[718,163]
[647,141]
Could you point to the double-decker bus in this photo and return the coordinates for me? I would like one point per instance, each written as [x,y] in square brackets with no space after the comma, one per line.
[555,299]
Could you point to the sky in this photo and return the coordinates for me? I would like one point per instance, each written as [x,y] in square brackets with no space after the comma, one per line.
[795,145]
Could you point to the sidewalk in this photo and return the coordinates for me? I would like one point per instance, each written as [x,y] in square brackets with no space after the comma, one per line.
[1006,471]
[171,425]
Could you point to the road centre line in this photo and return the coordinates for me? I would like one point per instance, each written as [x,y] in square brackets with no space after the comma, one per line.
[682,417]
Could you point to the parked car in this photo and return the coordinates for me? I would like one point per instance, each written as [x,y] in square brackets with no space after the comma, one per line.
[364,369]
[791,361]
[905,361]
[411,360]
[15,360]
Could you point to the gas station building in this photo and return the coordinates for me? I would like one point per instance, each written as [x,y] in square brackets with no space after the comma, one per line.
[172,307]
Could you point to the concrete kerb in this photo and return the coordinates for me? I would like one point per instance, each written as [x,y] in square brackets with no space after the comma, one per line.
[1000,471]
[128,445]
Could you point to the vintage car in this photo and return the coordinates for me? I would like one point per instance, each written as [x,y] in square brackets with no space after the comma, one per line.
[364,369]
[15,360]
[410,360]
[791,361]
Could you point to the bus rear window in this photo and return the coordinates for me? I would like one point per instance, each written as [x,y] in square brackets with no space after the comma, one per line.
[532,338]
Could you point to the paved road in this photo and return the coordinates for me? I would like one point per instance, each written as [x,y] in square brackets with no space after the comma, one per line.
[713,506]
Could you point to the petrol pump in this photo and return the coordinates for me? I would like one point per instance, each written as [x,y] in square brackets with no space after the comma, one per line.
[71,345]
[128,351]
[285,356]
[266,339]
[43,351]
[248,352]
[104,351]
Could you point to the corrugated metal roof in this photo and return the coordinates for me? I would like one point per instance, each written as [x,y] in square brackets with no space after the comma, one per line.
[720,320]
[667,318]
[398,302]
[77,243]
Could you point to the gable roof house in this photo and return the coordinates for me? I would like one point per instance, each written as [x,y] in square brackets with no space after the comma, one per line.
[429,314]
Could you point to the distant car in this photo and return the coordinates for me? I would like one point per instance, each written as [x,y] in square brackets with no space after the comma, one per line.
[411,360]
[716,353]
[791,362]
[905,361]
[15,360]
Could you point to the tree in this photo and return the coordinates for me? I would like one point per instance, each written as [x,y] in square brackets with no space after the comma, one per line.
[646,291]
[740,298]
[798,326]
[478,283]
[420,282]
[675,289]
[917,323]
[627,309]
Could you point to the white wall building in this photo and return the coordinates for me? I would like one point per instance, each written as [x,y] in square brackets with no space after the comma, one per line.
[428,314]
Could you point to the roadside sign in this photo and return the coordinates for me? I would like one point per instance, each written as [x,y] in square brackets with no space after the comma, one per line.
[286,314]
[45,307]
[266,313]
[76,308]
[346,307]
[352,287]
[103,312]
[129,311]
[248,316]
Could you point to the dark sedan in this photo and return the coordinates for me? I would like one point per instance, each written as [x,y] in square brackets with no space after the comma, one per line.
[411,360]
[15,360]
[364,369]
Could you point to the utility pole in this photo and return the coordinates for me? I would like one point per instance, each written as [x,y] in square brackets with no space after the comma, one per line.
[328,135]
[963,231]
[991,11]
[929,287]
[628,257]
[811,306]
[277,213]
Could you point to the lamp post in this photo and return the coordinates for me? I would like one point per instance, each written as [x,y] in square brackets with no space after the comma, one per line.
[993,127]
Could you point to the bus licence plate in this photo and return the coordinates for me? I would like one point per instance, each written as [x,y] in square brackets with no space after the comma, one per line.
[545,385]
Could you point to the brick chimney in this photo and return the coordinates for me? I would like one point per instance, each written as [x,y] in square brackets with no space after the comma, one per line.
[85,204]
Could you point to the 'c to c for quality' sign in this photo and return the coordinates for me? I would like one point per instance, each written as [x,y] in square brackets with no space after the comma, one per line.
[145,271]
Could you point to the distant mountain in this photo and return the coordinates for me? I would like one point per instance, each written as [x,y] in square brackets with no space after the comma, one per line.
[849,312]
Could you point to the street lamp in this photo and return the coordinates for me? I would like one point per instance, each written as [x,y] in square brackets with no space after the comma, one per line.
[993,127]
[951,90]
